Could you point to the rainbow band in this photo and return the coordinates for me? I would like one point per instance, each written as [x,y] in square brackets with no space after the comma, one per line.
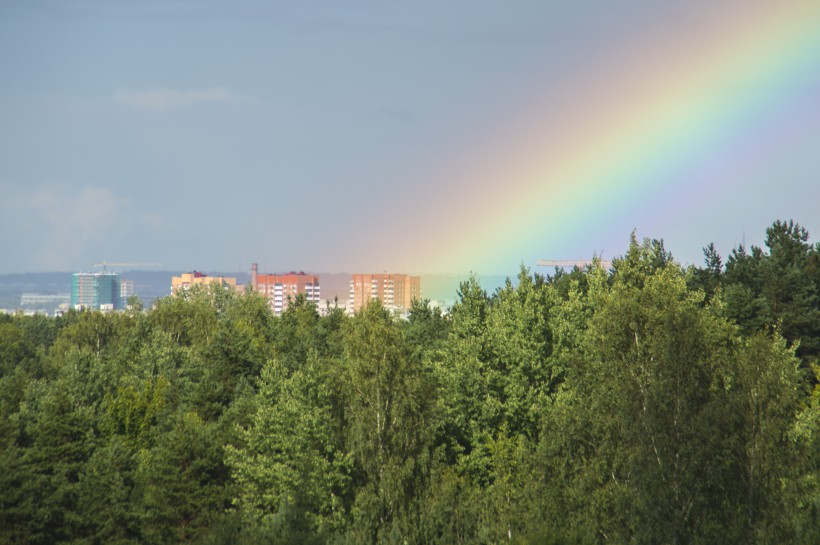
[567,181]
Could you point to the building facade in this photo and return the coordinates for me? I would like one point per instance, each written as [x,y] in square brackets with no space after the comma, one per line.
[186,281]
[126,290]
[280,289]
[395,291]
[97,291]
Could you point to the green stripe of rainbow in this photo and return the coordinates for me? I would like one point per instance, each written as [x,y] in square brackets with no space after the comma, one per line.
[532,203]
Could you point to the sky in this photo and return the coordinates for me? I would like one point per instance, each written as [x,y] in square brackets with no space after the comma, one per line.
[423,137]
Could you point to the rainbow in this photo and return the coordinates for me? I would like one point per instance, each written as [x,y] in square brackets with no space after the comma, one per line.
[641,136]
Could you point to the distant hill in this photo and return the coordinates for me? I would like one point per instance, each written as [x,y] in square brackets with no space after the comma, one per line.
[13,286]
[46,282]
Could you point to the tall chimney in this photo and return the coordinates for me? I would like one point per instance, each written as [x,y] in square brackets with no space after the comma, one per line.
[254,271]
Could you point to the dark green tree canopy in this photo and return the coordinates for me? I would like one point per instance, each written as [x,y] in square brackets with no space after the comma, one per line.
[643,404]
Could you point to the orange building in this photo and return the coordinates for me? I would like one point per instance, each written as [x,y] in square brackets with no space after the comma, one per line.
[396,291]
[281,288]
[187,280]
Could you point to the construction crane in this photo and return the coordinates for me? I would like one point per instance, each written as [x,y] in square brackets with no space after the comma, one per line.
[105,264]
[566,263]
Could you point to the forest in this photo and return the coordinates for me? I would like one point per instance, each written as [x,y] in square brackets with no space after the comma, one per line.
[649,403]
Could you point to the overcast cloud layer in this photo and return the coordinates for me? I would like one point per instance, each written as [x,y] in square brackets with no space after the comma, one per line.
[209,135]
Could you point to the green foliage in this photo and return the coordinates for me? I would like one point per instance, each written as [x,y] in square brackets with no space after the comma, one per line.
[16,349]
[59,440]
[133,413]
[646,404]
[779,289]
[389,415]
[708,279]
[106,495]
[425,330]
[293,464]
[802,491]
[183,482]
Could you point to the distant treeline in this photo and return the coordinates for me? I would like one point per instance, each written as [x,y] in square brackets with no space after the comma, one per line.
[643,404]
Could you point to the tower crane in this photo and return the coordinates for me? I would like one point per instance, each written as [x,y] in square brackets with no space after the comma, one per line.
[105,264]
[565,263]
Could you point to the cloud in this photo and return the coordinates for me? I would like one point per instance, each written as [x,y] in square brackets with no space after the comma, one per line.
[71,224]
[60,227]
[87,213]
[164,99]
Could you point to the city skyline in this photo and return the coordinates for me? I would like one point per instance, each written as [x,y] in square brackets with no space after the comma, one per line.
[422,139]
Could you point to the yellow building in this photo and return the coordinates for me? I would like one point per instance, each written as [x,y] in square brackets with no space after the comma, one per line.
[396,291]
[188,280]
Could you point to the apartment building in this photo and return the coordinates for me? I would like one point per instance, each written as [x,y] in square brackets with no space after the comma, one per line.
[396,291]
[188,280]
[280,289]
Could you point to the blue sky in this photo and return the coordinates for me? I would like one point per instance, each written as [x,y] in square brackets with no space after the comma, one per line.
[208,135]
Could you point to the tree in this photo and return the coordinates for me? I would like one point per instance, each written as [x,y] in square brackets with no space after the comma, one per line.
[765,397]
[426,329]
[388,409]
[292,470]
[680,422]
[709,278]
[520,374]
[61,434]
[779,290]
[459,371]
[802,492]
[106,496]
[182,483]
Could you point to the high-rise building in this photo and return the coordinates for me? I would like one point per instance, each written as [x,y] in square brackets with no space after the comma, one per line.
[188,280]
[99,291]
[280,289]
[396,291]
[126,290]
